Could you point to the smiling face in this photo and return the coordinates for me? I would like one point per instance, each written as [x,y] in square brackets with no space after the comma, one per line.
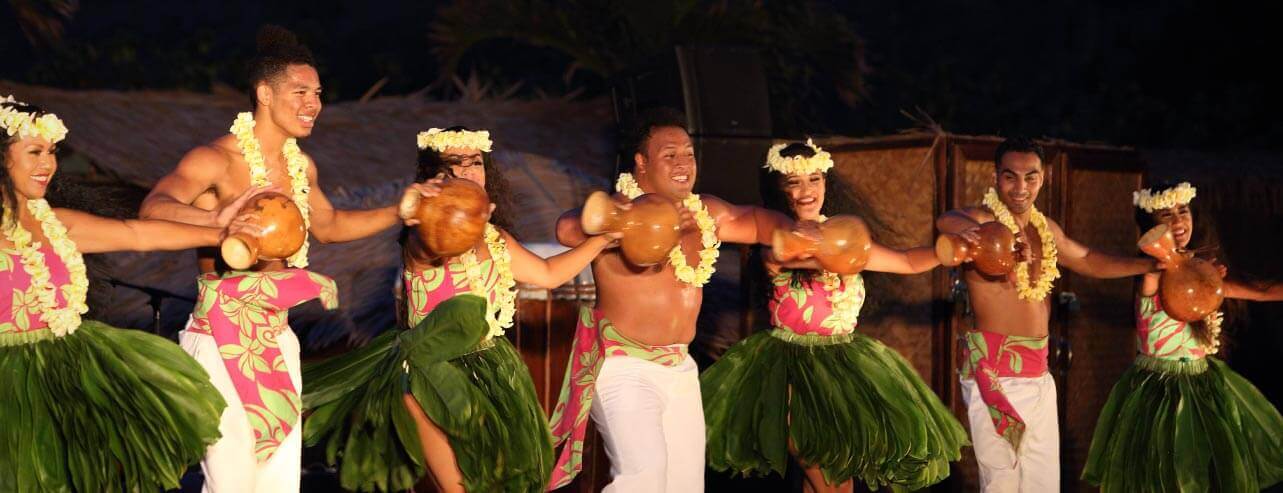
[1180,220]
[667,166]
[466,163]
[31,163]
[805,194]
[293,99]
[1019,178]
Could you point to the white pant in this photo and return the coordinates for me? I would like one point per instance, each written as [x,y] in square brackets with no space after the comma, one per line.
[229,464]
[652,420]
[1037,469]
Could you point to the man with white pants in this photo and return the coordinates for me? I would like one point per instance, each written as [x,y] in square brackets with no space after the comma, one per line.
[1011,399]
[631,350]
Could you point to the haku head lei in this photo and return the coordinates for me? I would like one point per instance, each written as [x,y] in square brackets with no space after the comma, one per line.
[24,124]
[1154,200]
[799,165]
[439,139]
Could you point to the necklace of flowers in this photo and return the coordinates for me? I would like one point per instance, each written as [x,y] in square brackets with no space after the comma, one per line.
[62,321]
[296,164]
[1037,291]
[500,314]
[699,275]
[845,302]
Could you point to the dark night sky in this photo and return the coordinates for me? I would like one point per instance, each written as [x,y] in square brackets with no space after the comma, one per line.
[1179,73]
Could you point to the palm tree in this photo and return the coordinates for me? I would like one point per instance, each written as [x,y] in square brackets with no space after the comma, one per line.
[43,21]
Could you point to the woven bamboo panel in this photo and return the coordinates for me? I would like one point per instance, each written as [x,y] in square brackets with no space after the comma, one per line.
[894,191]
[1101,332]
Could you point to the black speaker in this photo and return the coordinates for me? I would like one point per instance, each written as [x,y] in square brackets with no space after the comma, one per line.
[722,91]
[728,167]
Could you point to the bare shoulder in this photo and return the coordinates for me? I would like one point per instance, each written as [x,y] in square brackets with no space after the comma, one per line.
[716,206]
[978,214]
[214,157]
[71,218]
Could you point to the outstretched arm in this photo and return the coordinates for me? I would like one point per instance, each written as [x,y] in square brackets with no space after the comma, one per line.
[555,270]
[745,224]
[333,226]
[1092,263]
[911,261]
[94,234]
[1270,291]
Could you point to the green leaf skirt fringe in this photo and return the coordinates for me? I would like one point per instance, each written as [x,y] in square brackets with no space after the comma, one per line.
[479,393]
[849,404]
[102,409]
[1193,425]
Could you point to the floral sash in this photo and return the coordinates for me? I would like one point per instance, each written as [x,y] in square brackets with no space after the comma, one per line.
[244,312]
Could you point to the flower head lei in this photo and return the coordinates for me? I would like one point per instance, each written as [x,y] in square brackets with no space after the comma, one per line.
[698,275]
[296,166]
[26,124]
[439,139]
[1037,291]
[1153,200]
[798,165]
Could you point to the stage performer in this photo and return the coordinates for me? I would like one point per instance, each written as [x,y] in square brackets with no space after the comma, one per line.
[845,405]
[448,391]
[1180,419]
[630,368]
[85,406]
[1010,396]
[261,445]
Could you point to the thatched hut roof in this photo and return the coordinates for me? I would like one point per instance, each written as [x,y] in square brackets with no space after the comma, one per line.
[553,153]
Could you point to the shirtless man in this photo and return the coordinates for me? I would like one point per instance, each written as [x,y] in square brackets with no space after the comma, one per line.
[1011,399]
[648,407]
[260,154]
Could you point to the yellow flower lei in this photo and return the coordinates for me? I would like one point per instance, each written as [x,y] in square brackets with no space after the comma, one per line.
[845,302]
[699,275]
[24,124]
[296,164]
[1038,291]
[62,321]
[504,307]
[1213,323]
[439,139]
[798,165]
[1152,200]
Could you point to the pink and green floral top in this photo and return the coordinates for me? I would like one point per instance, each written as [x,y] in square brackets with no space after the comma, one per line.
[20,310]
[1158,335]
[805,309]
[426,289]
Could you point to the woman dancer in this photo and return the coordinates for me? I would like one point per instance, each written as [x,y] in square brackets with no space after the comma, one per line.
[450,392]
[1179,419]
[846,406]
[85,406]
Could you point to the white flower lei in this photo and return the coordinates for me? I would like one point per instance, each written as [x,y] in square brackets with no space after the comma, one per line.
[1050,272]
[798,165]
[1153,200]
[23,124]
[699,275]
[296,164]
[845,302]
[439,140]
[62,321]
[500,313]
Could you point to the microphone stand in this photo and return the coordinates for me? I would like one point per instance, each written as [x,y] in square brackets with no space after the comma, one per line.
[155,298]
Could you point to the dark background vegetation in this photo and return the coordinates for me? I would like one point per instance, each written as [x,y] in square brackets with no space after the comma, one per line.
[1182,73]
